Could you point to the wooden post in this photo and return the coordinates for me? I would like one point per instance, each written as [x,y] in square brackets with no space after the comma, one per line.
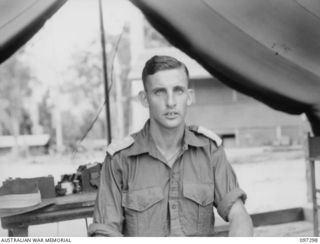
[314,199]
[313,154]
[308,170]
[18,232]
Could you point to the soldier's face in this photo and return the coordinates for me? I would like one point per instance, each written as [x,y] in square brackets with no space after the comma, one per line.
[168,96]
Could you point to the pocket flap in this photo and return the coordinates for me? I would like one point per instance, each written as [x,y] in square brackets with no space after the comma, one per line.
[199,193]
[141,199]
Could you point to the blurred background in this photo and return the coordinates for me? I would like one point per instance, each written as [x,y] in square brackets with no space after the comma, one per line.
[52,116]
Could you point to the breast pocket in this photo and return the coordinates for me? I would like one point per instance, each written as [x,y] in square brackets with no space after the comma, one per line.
[143,209]
[197,207]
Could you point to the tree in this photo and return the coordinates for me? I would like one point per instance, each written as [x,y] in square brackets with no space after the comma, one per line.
[15,78]
[85,77]
[86,86]
[45,114]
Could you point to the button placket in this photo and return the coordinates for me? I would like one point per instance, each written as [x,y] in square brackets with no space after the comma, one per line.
[175,227]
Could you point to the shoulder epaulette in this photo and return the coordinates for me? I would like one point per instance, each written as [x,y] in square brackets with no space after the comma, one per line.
[118,145]
[208,133]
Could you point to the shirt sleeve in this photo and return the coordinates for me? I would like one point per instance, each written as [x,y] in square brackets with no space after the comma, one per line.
[227,189]
[108,213]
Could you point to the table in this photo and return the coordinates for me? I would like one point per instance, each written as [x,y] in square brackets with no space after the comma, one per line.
[74,206]
[81,205]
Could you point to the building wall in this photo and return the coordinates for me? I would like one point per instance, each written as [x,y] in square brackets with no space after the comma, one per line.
[242,120]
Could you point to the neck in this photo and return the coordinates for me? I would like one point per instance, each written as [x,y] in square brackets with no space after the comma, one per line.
[167,139]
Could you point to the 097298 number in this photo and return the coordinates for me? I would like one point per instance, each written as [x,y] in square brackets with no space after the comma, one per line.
[309,239]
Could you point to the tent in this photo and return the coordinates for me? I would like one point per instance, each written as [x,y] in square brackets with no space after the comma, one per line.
[267,49]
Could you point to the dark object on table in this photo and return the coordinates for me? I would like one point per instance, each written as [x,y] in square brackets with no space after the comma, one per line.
[86,179]
[89,176]
[68,184]
[45,184]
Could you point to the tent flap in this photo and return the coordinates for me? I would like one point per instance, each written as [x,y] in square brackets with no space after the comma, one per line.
[20,20]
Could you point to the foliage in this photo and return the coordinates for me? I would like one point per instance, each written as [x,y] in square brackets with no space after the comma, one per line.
[15,78]
[85,78]
[45,114]
[69,130]
[86,87]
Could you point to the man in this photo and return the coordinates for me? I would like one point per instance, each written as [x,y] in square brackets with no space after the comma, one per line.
[165,179]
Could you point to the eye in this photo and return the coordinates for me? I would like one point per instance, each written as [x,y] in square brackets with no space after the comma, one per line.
[179,90]
[159,92]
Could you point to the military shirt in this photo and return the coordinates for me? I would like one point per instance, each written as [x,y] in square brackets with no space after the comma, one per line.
[141,195]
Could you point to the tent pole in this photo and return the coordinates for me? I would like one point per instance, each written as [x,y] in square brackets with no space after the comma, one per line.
[105,73]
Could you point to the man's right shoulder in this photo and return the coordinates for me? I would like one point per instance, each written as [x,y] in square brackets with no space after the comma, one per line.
[119,145]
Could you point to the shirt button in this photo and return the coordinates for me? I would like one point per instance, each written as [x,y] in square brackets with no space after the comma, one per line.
[174,206]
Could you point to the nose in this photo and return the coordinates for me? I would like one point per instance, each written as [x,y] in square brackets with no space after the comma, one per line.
[171,100]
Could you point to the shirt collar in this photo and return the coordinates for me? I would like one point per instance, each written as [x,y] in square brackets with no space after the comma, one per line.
[144,143]
[191,139]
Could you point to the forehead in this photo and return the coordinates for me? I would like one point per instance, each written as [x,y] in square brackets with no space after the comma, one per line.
[167,78]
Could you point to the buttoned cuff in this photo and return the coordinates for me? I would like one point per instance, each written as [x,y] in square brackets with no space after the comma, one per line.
[102,230]
[229,199]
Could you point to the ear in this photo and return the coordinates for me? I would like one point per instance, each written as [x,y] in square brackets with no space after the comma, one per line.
[143,99]
[191,98]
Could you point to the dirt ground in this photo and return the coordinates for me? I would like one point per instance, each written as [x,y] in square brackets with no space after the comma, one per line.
[273,178]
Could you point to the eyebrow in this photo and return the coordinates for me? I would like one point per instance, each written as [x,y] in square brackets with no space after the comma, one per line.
[158,89]
[182,87]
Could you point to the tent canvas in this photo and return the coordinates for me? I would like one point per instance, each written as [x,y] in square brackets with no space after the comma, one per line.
[20,20]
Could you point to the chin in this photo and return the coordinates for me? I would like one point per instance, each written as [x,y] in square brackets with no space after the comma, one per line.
[172,124]
[168,124]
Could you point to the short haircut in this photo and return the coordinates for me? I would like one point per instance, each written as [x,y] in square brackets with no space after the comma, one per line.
[159,63]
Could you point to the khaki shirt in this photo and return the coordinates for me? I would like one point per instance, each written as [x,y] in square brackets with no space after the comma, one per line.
[140,195]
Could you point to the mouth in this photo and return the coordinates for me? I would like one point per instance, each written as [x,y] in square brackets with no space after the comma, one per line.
[171,115]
